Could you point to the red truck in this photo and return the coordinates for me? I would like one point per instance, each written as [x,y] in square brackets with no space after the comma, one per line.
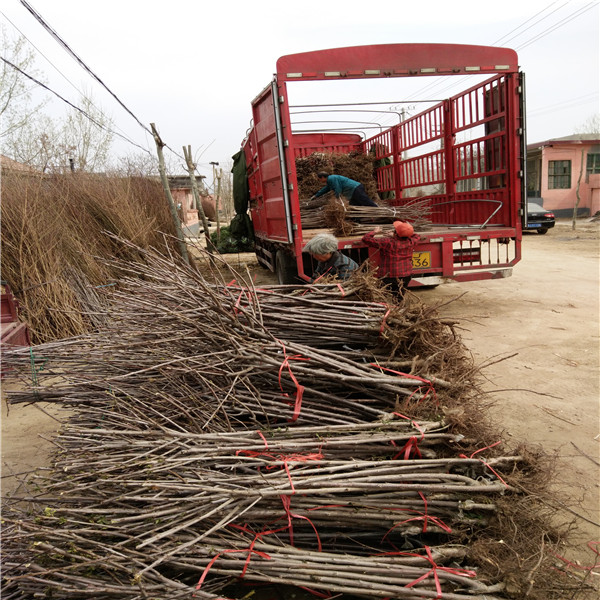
[463,154]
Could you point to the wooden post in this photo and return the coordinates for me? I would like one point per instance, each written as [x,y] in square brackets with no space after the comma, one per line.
[163,176]
[187,152]
[577,191]
[217,191]
[219,178]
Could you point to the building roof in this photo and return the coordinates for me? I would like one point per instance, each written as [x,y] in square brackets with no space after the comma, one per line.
[12,165]
[182,182]
[577,138]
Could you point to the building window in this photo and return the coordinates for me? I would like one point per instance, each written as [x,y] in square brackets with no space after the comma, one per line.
[559,174]
[593,163]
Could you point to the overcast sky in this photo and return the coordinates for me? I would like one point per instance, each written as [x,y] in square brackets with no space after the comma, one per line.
[193,67]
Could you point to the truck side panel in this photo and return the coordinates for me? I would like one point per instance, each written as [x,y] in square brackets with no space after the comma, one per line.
[268,209]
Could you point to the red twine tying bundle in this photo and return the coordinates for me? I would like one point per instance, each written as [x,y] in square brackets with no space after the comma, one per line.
[485,463]
[299,388]
[283,458]
[286,459]
[425,382]
[433,571]
[286,501]
[422,516]
[593,546]
[412,445]
[250,550]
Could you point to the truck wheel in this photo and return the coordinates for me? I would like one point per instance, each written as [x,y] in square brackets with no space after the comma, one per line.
[285,268]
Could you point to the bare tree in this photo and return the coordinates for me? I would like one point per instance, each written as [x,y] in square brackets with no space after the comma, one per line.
[87,137]
[34,143]
[83,138]
[137,164]
[227,189]
[590,125]
[16,106]
[577,194]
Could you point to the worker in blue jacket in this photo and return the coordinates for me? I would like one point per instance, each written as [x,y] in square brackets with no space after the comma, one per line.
[342,186]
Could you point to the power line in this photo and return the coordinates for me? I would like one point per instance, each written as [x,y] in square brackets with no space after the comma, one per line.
[60,72]
[83,112]
[57,37]
[580,100]
[538,36]
[563,21]
[504,41]
[559,24]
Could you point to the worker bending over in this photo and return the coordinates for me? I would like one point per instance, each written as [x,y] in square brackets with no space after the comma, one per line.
[344,187]
[330,261]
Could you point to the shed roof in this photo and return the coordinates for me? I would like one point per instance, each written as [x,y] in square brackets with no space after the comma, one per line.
[12,165]
[577,138]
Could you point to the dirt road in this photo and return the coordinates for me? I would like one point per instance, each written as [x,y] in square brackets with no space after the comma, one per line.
[544,321]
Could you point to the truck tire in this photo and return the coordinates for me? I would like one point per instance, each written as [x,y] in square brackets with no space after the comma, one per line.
[285,268]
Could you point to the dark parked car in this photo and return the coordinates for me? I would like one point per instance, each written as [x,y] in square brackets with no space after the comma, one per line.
[538,218]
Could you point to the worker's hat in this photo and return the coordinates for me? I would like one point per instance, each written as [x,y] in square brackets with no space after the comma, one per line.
[403,229]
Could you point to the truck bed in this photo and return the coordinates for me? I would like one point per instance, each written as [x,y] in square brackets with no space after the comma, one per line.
[456,232]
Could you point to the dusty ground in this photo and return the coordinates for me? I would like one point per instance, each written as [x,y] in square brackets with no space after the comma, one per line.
[544,323]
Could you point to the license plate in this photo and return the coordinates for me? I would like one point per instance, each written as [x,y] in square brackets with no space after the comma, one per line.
[421,260]
[534,224]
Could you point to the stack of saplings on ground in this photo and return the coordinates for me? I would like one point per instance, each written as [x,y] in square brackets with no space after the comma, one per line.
[223,438]
[337,215]
[53,227]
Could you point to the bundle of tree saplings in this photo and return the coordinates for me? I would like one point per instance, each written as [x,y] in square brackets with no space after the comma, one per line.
[312,211]
[177,508]
[345,220]
[50,243]
[213,439]
[354,165]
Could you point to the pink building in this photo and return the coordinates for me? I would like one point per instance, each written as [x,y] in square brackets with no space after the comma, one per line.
[559,169]
[181,190]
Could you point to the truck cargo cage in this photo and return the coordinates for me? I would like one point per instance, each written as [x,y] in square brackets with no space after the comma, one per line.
[462,155]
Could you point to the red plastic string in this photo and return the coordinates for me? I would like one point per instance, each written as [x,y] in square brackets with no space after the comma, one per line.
[327,506]
[433,571]
[286,501]
[593,546]
[315,281]
[411,446]
[237,304]
[250,550]
[299,388]
[485,463]
[429,384]
[383,321]
[260,433]
[283,458]
[422,516]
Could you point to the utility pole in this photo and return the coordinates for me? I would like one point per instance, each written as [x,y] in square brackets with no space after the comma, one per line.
[187,153]
[163,176]
[216,192]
